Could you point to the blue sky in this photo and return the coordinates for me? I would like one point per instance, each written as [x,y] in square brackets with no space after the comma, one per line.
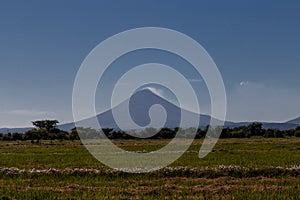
[255,44]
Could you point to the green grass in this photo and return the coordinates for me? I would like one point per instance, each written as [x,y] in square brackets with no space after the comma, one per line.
[261,154]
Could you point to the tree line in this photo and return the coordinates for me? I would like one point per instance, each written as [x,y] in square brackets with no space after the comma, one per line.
[47,130]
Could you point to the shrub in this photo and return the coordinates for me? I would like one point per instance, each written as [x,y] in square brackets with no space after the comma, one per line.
[297,133]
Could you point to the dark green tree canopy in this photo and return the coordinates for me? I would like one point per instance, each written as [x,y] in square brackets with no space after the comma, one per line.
[45,124]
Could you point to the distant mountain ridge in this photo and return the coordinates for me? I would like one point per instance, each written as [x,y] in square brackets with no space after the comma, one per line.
[139,105]
[294,121]
[142,100]
[15,130]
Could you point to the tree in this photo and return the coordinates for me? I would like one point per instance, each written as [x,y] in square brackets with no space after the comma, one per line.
[16,136]
[254,129]
[74,134]
[297,133]
[36,135]
[49,125]
[108,132]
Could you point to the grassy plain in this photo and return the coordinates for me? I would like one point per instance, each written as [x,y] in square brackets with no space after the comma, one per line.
[256,168]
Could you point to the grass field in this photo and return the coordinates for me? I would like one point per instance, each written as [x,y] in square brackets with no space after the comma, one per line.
[256,168]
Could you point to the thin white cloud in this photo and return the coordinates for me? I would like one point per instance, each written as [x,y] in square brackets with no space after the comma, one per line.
[251,101]
[156,91]
[24,112]
[195,80]
[244,83]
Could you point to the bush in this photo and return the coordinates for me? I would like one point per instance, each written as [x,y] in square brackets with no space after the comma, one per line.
[297,133]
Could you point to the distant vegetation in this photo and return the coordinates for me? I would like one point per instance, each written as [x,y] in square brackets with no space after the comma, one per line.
[47,130]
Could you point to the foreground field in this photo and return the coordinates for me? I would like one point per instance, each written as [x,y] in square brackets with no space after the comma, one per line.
[237,169]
